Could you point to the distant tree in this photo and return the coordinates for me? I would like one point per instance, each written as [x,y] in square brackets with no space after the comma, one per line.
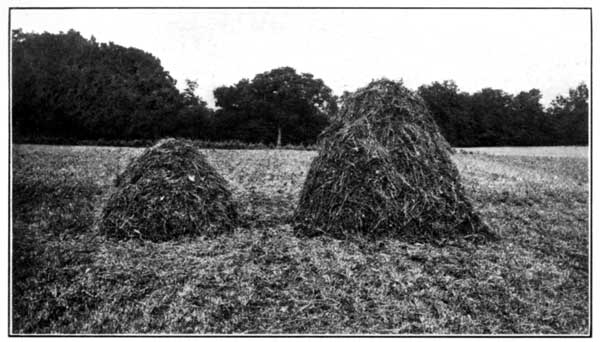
[67,86]
[193,120]
[189,94]
[449,108]
[275,107]
[64,85]
[529,124]
[491,109]
[492,117]
[571,116]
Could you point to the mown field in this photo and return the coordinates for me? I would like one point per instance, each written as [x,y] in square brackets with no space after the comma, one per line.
[66,278]
[533,151]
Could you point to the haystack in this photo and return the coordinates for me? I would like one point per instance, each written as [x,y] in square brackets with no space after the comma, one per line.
[384,169]
[169,191]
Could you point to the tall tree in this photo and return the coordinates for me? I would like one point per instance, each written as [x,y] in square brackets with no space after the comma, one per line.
[67,86]
[193,120]
[571,115]
[278,106]
[529,124]
[491,113]
[449,108]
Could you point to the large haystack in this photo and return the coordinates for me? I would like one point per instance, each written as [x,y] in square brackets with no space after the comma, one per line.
[384,170]
[169,191]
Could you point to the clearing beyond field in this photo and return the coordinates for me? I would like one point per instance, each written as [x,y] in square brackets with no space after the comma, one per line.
[261,278]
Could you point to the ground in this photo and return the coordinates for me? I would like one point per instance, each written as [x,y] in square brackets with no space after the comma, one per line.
[262,279]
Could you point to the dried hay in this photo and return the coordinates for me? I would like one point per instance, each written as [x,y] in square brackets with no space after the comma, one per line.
[384,170]
[169,191]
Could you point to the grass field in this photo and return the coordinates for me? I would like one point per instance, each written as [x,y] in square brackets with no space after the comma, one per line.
[533,151]
[262,279]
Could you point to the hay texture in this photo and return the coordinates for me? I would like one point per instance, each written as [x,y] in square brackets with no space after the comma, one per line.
[384,169]
[169,191]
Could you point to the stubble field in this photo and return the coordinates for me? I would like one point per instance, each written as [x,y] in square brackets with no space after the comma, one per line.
[66,278]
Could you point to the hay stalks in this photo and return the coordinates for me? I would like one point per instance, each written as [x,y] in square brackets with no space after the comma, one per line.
[385,170]
[169,191]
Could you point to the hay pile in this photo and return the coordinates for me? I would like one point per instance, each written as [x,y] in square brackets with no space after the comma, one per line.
[384,169]
[169,191]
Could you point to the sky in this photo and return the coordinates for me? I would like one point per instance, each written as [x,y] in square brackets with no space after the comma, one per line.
[513,50]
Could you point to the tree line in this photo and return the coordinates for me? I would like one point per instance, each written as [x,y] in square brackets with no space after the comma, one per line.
[67,86]
[492,117]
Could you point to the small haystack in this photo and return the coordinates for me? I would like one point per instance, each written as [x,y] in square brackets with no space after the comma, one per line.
[384,170]
[169,191]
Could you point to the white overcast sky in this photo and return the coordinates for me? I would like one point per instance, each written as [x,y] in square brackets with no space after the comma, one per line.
[512,50]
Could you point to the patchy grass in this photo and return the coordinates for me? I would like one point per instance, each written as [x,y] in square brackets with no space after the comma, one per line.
[263,279]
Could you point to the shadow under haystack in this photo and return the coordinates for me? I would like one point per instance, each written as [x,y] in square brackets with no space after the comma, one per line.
[169,191]
[384,169]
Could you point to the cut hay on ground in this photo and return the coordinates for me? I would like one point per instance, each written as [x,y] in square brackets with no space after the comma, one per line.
[169,191]
[384,170]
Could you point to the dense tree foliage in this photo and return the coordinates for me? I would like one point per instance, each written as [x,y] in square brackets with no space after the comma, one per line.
[276,106]
[66,86]
[491,117]
[451,110]
[570,115]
